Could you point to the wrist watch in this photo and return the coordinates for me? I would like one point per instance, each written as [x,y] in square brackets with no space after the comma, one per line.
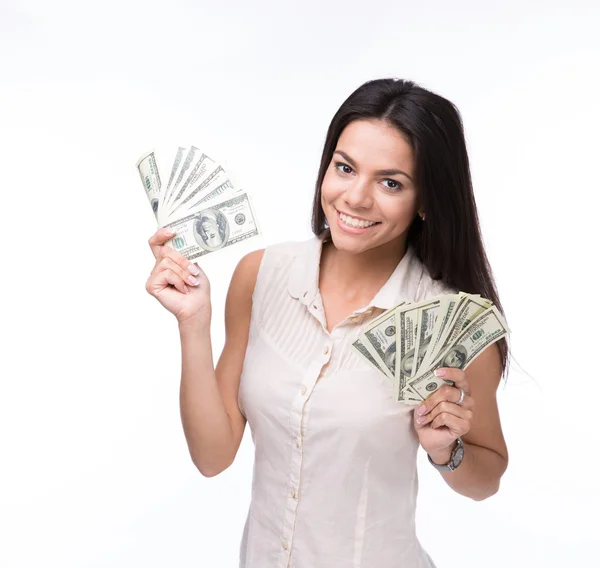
[455,458]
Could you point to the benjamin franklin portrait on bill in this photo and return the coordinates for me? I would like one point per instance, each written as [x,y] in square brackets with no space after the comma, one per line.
[456,357]
[211,230]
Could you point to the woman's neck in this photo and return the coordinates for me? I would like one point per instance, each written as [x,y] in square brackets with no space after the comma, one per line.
[359,275]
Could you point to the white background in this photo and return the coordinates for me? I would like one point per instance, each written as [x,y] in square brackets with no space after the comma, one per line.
[94,469]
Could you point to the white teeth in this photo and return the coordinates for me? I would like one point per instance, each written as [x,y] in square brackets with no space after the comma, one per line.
[355,222]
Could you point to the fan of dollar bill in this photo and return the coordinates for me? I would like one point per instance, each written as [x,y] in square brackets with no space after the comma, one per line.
[450,330]
[192,196]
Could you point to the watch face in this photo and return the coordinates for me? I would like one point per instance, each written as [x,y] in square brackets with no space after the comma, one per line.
[458,456]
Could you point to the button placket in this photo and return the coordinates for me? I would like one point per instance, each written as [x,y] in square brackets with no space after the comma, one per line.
[297,416]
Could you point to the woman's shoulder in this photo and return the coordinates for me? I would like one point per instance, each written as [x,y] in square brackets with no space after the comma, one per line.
[270,270]
[275,260]
[284,252]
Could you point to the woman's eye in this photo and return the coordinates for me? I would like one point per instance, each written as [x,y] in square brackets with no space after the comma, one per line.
[396,187]
[338,164]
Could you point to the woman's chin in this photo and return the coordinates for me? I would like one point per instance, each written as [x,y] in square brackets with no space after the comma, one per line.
[348,243]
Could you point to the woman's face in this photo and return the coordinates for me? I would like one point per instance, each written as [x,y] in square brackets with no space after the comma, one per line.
[352,185]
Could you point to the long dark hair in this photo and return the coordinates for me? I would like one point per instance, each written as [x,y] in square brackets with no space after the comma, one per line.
[449,241]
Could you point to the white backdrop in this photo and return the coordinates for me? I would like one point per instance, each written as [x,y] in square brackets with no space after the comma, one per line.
[94,468]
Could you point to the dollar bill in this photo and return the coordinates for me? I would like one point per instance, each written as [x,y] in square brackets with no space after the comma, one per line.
[442,325]
[179,153]
[211,186]
[360,347]
[408,317]
[426,317]
[370,346]
[217,225]
[220,191]
[487,328]
[467,308]
[380,335]
[407,330]
[188,159]
[148,168]
[409,396]
[201,167]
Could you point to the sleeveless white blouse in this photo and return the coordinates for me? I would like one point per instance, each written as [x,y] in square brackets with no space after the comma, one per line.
[335,478]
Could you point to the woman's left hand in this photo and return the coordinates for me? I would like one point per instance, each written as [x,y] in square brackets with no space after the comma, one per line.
[438,421]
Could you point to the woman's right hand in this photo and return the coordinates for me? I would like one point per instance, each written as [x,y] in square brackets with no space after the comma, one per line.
[179,285]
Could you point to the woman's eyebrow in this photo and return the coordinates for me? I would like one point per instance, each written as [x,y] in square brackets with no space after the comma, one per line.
[378,172]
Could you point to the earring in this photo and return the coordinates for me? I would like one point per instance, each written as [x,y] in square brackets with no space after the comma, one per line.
[422,215]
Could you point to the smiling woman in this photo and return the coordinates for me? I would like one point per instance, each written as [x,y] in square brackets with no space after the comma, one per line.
[335,478]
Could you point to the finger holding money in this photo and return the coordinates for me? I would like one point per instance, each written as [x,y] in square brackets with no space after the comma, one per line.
[158,240]
[167,257]
[450,406]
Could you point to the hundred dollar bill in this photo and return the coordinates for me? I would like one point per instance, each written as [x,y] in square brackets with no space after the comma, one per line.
[469,307]
[148,169]
[407,324]
[217,225]
[200,168]
[214,184]
[182,170]
[442,326]
[365,348]
[360,347]
[487,328]
[426,318]
[407,331]
[381,336]
[468,311]
[409,396]
[179,153]
[219,192]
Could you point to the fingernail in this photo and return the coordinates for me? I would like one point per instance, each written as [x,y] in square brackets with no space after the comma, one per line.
[187,290]
[422,409]
[192,280]
[439,373]
[420,419]
[193,269]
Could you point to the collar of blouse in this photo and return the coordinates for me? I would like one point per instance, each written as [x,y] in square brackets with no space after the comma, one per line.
[401,286]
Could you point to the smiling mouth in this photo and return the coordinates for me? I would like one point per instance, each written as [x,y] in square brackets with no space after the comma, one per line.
[355,222]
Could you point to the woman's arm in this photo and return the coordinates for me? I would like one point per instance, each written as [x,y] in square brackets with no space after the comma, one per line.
[486,456]
[211,418]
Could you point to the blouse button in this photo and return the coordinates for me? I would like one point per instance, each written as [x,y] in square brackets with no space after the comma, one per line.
[293,493]
[326,350]
[297,442]
[302,389]
[284,544]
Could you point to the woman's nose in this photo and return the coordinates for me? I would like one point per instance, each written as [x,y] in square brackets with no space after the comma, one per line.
[359,195]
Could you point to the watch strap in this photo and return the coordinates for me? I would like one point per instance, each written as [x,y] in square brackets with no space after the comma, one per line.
[450,465]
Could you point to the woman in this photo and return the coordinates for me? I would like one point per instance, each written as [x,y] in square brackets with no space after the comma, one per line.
[335,478]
